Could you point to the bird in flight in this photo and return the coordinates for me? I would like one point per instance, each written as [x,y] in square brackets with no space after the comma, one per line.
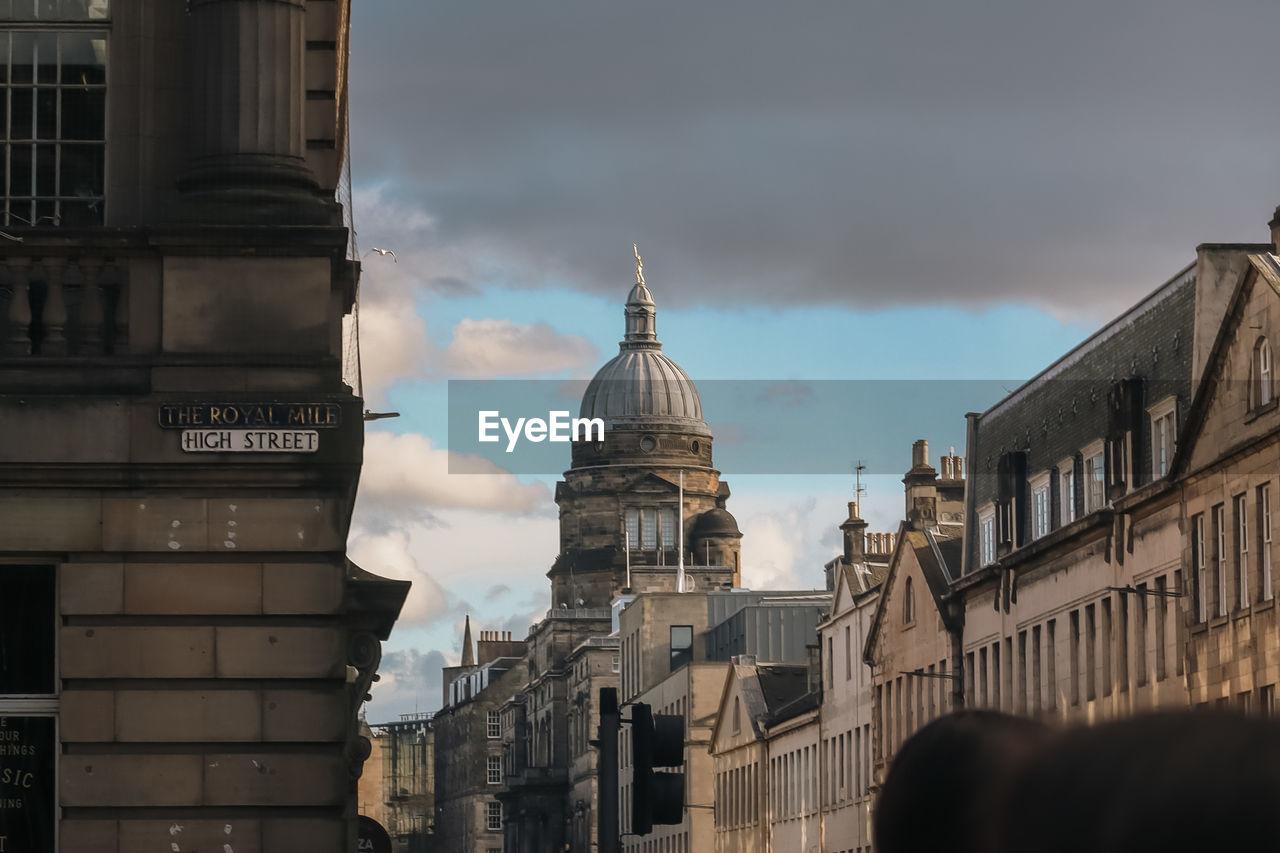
[385,252]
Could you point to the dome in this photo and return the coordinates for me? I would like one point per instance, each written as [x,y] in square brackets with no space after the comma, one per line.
[641,386]
[715,522]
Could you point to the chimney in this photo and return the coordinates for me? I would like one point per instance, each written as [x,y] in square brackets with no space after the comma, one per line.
[921,487]
[854,529]
[1274,225]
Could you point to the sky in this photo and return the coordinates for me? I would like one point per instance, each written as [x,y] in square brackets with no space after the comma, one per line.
[939,194]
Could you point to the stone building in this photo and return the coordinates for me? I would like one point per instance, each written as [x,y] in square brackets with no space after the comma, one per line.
[677,651]
[627,505]
[845,720]
[594,665]
[1074,563]
[179,451]
[469,743]
[1227,471]
[630,502]
[915,633]
[756,698]
[399,776]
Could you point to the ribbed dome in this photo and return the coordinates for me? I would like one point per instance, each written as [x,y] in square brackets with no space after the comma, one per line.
[642,386]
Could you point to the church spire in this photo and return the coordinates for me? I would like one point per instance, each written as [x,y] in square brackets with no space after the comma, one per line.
[468,648]
[641,311]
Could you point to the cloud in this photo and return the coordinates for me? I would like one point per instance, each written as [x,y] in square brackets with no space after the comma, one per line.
[409,681]
[836,153]
[406,477]
[488,348]
[387,553]
[495,592]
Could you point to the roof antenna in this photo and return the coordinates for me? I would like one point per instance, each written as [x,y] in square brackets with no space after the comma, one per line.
[858,489]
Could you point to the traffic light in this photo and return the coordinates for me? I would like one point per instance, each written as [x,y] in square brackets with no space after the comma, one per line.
[657,796]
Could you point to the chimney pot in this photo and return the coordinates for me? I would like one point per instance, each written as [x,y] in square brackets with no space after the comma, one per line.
[920,454]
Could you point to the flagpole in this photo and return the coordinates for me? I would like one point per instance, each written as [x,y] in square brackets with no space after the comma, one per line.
[680,527]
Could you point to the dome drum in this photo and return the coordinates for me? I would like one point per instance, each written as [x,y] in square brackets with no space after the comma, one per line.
[646,443]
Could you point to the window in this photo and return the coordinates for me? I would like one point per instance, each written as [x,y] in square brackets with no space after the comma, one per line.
[1073,640]
[1241,508]
[986,536]
[493,817]
[848,655]
[1162,616]
[1264,534]
[649,526]
[1140,635]
[1040,506]
[1090,647]
[52,147]
[681,646]
[1066,492]
[614,665]
[28,706]
[1163,436]
[1200,566]
[1095,474]
[908,603]
[1051,664]
[1220,538]
[493,726]
[494,770]
[1262,372]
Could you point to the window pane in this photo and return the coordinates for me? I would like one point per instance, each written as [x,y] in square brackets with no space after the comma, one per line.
[81,171]
[46,113]
[24,10]
[649,529]
[46,57]
[20,170]
[46,170]
[26,629]
[83,113]
[668,529]
[21,116]
[4,45]
[84,59]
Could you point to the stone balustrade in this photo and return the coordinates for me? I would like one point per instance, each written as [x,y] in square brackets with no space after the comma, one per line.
[55,303]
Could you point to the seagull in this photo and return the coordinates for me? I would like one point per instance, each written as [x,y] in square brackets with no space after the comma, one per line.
[385,252]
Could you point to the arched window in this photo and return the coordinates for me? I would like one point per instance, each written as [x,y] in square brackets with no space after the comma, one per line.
[1262,372]
[908,603]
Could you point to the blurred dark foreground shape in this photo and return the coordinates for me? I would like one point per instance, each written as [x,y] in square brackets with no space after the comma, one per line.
[1167,782]
[985,782]
[945,778]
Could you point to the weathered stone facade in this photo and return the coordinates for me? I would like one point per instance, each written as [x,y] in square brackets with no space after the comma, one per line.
[213,642]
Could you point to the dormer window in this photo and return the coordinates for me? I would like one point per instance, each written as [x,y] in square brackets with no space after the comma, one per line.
[1040,521]
[987,535]
[1163,435]
[1095,477]
[1262,393]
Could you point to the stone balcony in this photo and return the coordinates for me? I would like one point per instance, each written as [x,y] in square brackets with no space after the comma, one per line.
[60,301]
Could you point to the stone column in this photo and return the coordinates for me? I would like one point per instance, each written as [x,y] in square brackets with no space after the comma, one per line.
[247,141]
